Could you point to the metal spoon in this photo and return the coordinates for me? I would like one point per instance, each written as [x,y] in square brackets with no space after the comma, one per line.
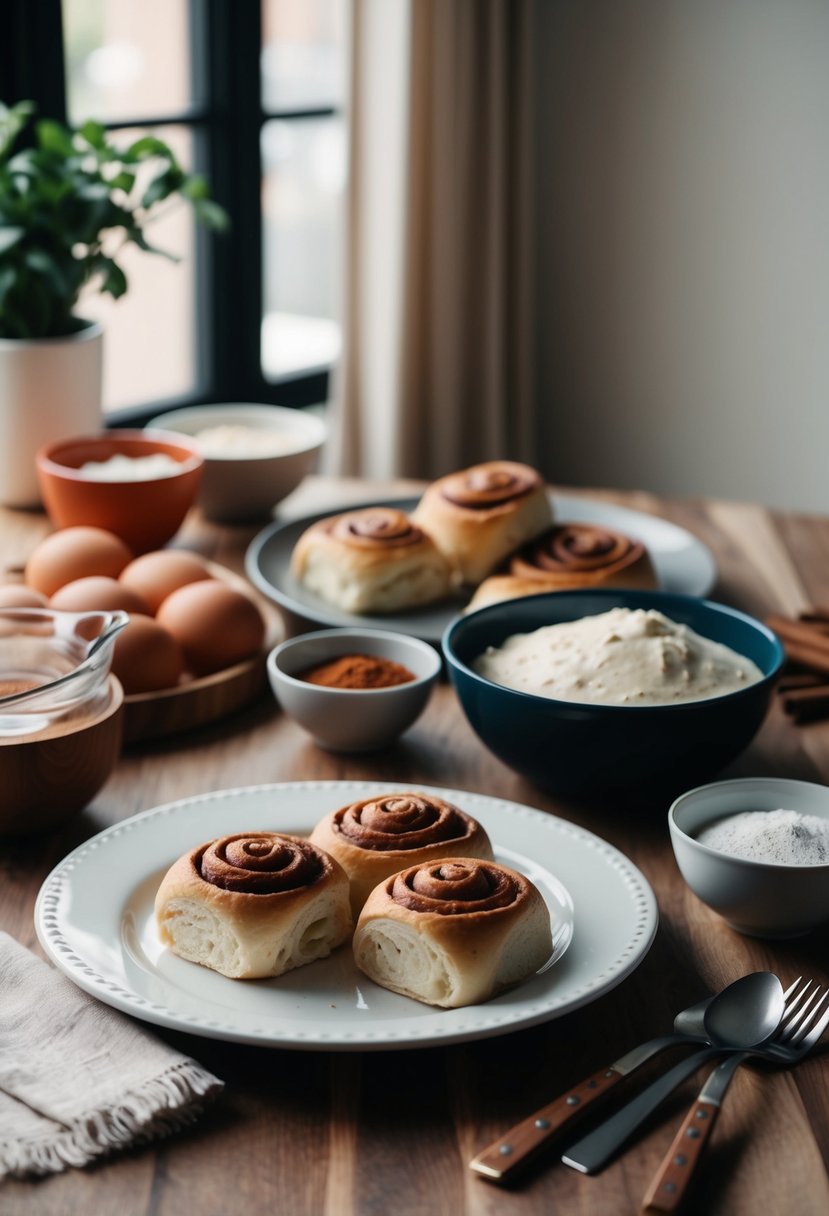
[501,1159]
[741,1016]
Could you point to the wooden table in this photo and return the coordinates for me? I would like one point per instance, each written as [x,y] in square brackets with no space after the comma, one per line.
[368,1134]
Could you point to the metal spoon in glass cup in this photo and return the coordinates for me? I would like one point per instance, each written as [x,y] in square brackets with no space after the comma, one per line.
[795,1037]
[500,1161]
[754,1010]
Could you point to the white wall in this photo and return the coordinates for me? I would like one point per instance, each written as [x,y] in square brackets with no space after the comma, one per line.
[683,195]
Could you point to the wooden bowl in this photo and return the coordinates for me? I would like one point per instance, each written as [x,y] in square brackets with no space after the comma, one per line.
[48,777]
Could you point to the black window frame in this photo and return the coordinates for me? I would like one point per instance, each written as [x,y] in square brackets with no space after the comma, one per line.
[226,122]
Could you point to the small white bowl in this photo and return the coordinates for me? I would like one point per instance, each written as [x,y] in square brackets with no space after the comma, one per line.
[346,719]
[759,898]
[236,485]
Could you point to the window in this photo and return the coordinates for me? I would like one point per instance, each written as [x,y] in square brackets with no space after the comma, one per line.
[253,97]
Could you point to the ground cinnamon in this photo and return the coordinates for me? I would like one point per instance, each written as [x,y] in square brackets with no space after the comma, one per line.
[358,671]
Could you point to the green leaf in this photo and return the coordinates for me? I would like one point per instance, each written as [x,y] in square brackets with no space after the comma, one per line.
[93,192]
[166,183]
[8,276]
[211,215]
[38,308]
[195,186]
[94,134]
[122,181]
[114,281]
[12,122]
[25,162]
[146,147]
[137,237]
[9,238]
[44,264]
[54,137]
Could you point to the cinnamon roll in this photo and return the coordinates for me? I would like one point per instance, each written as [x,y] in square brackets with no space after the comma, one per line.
[254,904]
[569,556]
[453,932]
[376,837]
[480,515]
[371,560]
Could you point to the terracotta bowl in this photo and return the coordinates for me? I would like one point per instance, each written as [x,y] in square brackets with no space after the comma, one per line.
[146,513]
[47,777]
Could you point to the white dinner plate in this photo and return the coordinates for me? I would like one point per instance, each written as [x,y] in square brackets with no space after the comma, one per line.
[94,918]
[683,564]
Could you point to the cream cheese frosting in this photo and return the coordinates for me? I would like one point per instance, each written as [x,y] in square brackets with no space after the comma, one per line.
[621,657]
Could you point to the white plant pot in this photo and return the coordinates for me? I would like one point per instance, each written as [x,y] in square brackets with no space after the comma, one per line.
[50,388]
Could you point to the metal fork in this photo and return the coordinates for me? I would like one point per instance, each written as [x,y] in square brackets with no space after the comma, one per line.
[795,1037]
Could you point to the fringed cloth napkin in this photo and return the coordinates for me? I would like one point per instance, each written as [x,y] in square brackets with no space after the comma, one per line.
[78,1079]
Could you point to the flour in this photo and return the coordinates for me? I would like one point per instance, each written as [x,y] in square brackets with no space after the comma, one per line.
[131,468]
[786,838]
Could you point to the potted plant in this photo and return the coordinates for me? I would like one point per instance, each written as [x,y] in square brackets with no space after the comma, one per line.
[69,204]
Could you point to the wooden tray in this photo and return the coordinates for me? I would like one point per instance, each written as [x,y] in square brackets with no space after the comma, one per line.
[198,702]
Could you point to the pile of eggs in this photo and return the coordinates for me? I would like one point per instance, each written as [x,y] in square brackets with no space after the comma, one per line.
[182,619]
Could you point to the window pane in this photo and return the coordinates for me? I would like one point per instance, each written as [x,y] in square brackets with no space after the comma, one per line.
[126,59]
[304,171]
[302,54]
[149,339]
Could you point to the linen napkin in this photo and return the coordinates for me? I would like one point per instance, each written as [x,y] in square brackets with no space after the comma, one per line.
[78,1079]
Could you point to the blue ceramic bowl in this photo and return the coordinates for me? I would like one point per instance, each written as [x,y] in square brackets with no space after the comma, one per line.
[581,750]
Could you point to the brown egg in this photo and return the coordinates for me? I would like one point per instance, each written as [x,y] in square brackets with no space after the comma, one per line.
[215,625]
[146,657]
[15,595]
[97,594]
[156,575]
[73,553]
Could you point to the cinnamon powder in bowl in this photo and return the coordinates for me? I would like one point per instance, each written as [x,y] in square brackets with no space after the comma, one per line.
[358,671]
[345,686]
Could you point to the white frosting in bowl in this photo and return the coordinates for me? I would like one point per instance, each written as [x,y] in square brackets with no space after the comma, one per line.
[621,657]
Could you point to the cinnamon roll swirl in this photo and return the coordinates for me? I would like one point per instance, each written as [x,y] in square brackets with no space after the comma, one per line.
[566,557]
[453,932]
[579,555]
[480,515]
[372,560]
[254,904]
[376,837]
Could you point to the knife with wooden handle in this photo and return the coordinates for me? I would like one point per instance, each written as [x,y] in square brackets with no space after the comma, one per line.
[509,1152]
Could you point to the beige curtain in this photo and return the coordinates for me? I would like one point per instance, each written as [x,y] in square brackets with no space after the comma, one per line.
[439,319]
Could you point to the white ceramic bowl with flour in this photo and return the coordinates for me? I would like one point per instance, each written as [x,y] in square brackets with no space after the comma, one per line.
[765,872]
[254,455]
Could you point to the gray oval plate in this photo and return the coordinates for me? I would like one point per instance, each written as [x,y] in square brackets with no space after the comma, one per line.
[683,565]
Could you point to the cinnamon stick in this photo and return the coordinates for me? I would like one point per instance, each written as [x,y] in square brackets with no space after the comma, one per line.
[820,624]
[813,657]
[798,633]
[803,679]
[817,614]
[807,704]
[805,695]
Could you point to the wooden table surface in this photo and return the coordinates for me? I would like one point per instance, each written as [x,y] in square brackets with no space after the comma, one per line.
[367,1134]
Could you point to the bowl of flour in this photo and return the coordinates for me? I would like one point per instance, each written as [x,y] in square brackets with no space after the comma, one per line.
[756,851]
